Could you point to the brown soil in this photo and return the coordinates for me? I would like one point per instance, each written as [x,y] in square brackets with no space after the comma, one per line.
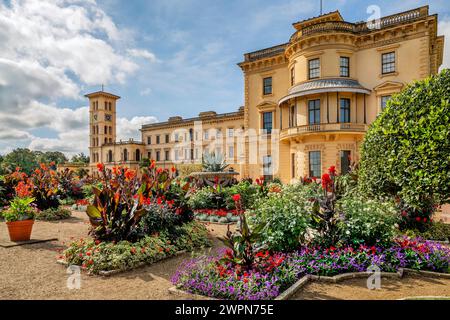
[31,272]
[391,289]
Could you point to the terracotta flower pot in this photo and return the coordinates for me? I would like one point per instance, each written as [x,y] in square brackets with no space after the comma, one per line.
[20,230]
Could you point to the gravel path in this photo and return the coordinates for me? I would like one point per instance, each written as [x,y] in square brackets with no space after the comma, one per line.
[31,272]
[391,289]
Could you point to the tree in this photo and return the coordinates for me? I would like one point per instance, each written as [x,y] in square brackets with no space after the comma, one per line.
[51,156]
[23,158]
[80,158]
[406,152]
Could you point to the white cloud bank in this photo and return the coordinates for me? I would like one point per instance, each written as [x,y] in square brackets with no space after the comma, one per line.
[49,50]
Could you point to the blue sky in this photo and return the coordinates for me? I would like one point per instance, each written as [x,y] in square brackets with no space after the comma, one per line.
[163,57]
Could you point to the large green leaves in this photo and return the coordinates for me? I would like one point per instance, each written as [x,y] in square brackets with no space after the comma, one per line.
[406,151]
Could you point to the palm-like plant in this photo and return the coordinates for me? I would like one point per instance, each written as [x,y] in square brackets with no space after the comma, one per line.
[214,163]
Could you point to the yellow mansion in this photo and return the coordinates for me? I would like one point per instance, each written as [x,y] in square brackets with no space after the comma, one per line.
[308,102]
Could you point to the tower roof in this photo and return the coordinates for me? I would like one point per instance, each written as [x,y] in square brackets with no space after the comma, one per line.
[102,93]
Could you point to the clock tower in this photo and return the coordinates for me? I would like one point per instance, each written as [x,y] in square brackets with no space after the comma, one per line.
[102,123]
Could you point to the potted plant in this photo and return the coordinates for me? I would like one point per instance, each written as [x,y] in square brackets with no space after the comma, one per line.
[19,218]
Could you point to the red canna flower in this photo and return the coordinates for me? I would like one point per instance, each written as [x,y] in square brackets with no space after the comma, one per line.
[418,219]
[332,170]
[236,197]
[174,169]
[133,250]
[100,167]
[326,180]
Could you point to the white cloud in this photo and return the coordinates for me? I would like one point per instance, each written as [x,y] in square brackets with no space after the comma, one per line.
[444,29]
[141,53]
[146,92]
[49,50]
[130,128]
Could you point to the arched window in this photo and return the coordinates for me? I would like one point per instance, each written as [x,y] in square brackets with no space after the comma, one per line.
[138,155]
[106,140]
[125,155]
[110,156]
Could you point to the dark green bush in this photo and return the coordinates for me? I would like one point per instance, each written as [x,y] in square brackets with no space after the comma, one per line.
[406,152]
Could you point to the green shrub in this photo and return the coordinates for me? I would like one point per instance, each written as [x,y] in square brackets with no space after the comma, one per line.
[286,216]
[369,222]
[208,198]
[437,231]
[54,214]
[249,194]
[406,151]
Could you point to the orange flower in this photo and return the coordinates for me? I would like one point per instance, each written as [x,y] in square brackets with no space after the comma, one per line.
[130,174]
[174,169]
[153,164]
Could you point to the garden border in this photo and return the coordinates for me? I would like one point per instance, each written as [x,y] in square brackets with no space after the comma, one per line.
[289,292]
[110,273]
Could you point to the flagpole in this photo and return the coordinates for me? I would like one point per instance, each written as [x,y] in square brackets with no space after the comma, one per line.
[321,7]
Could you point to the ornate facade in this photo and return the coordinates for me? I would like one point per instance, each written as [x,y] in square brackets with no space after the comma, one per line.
[308,102]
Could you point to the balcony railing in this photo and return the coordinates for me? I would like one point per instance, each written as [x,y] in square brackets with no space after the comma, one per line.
[361,27]
[264,53]
[326,127]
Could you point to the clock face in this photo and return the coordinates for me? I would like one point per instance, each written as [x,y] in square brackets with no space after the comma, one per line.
[108,117]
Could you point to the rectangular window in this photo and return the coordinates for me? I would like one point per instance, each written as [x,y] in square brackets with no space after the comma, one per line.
[345,67]
[267,168]
[218,133]
[293,166]
[176,155]
[206,135]
[158,156]
[267,86]
[230,132]
[167,138]
[292,76]
[149,155]
[267,122]
[384,100]
[345,161]
[315,164]
[177,137]
[388,62]
[149,140]
[158,139]
[231,152]
[314,68]
[292,117]
[167,155]
[344,116]
[314,112]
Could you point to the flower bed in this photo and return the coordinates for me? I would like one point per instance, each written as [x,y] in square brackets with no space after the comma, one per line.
[271,274]
[217,215]
[97,257]
[53,214]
